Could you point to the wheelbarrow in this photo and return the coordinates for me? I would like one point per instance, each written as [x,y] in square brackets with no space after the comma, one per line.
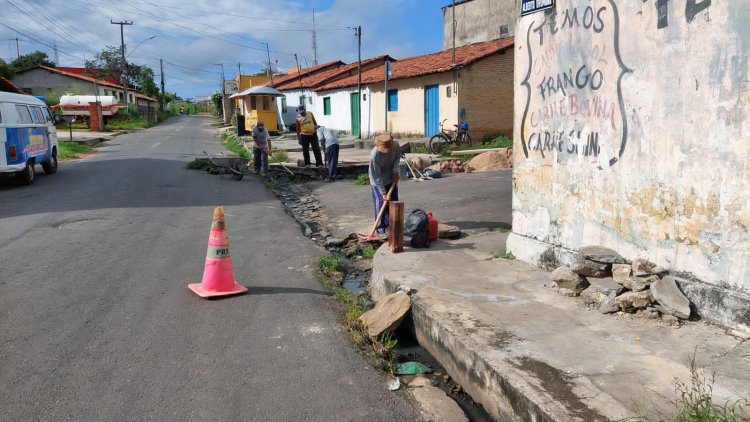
[237,167]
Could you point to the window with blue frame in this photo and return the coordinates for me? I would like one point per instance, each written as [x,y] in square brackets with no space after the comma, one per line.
[392,100]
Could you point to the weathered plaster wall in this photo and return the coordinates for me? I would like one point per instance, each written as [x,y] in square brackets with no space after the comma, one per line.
[478,20]
[631,131]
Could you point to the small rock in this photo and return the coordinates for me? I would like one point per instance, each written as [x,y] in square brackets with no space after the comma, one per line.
[671,299]
[420,381]
[621,272]
[589,271]
[593,296]
[669,319]
[567,279]
[406,289]
[549,283]
[568,292]
[638,284]
[394,384]
[637,300]
[646,267]
[609,305]
[446,231]
[606,285]
[601,254]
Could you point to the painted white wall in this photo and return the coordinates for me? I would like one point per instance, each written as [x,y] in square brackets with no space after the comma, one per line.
[410,117]
[341,117]
[660,168]
[292,101]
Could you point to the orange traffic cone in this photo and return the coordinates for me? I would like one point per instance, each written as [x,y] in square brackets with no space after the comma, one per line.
[218,277]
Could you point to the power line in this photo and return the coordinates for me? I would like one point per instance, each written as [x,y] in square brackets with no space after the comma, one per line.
[40,42]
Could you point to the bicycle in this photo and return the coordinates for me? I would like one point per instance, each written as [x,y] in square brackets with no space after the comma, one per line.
[458,136]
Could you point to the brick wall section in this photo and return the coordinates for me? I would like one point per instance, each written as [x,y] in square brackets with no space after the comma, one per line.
[485,92]
[96,123]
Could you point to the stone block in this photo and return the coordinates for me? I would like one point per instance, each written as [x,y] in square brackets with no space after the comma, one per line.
[567,279]
[601,254]
[621,272]
[671,299]
[637,300]
[387,314]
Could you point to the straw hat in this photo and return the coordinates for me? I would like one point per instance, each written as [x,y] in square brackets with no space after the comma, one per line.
[385,143]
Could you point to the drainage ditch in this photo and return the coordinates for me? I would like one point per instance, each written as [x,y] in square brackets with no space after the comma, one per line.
[299,202]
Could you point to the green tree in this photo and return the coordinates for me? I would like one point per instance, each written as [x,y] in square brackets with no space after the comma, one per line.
[144,80]
[216,98]
[27,61]
[109,63]
[6,71]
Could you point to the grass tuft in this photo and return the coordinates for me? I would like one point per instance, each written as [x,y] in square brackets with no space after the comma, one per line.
[199,164]
[72,150]
[362,179]
[503,254]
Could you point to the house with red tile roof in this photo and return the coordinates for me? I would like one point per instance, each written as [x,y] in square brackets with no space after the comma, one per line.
[53,81]
[428,89]
[298,88]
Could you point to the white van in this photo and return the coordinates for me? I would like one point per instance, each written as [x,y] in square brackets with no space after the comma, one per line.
[27,136]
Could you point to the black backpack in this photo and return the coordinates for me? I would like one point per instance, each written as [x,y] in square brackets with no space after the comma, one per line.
[416,229]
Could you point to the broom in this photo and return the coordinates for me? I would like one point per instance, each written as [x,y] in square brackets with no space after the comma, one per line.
[371,236]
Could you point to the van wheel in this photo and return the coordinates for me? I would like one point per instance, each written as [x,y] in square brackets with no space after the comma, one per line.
[50,166]
[27,175]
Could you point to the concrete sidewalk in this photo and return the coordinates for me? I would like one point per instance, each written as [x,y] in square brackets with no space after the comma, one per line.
[528,353]
[87,138]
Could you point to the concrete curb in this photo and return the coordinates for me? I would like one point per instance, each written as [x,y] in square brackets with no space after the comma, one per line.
[504,395]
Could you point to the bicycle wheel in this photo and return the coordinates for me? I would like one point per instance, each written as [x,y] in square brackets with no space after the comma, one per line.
[463,138]
[437,144]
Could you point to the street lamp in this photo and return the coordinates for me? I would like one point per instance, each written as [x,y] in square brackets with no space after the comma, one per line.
[139,44]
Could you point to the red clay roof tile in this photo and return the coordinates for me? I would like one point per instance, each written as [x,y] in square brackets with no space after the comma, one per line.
[425,64]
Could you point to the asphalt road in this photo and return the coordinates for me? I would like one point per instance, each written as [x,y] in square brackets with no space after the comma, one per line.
[474,202]
[97,322]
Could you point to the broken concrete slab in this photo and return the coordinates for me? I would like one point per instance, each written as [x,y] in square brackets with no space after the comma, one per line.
[601,254]
[387,314]
[671,299]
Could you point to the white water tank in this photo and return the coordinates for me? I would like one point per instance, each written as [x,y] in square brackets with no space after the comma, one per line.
[84,100]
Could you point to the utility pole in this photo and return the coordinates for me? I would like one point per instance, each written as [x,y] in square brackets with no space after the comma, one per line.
[163,102]
[314,42]
[57,55]
[299,71]
[359,80]
[124,63]
[270,70]
[18,49]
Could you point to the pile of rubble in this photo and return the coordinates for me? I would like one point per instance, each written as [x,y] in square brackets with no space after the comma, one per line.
[486,161]
[604,279]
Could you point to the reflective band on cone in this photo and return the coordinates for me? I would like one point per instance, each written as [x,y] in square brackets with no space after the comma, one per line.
[218,277]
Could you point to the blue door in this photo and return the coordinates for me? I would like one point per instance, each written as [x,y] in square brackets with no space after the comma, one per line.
[431,110]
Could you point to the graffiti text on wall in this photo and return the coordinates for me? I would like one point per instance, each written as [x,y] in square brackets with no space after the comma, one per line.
[692,9]
[574,104]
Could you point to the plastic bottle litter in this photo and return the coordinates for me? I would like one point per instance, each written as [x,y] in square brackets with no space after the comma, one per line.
[412,368]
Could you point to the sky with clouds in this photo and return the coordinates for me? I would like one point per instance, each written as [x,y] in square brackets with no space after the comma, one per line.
[194,36]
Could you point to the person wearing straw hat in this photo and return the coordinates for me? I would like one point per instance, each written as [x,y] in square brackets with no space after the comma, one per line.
[384,171]
[261,148]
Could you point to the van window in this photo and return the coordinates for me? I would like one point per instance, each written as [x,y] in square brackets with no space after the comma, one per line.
[24,117]
[36,115]
[47,115]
